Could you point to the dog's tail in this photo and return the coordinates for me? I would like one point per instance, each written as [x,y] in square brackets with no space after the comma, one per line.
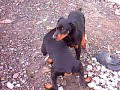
[80,9]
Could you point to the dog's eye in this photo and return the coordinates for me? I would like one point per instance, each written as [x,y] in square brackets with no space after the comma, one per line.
[62,29]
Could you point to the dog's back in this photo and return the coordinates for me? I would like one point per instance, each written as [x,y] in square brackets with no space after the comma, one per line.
[78,18]
[60,54]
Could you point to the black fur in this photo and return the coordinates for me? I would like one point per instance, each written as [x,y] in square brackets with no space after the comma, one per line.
[63,60]
[75,25]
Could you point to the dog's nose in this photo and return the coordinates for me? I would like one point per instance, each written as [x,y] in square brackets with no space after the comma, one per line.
[54,36]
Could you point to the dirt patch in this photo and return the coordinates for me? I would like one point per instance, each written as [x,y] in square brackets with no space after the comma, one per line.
[23,24]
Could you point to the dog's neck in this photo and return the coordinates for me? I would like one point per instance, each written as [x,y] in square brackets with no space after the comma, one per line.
[71,32]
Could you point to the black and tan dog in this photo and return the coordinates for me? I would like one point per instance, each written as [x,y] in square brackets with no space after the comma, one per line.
[64,63]
[72,31]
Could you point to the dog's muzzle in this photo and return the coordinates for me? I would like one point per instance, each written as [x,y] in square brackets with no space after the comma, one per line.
[55,35]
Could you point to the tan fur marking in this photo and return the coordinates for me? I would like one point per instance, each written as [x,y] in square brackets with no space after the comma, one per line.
[83,43]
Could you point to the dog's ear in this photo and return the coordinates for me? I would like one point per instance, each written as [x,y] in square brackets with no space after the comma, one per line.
[60,19]
[73,25]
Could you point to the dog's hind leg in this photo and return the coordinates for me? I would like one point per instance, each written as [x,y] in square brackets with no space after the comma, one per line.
[54,79]
[81,75]
[78,52]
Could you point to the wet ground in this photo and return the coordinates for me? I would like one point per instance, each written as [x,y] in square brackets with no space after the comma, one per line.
[23,24]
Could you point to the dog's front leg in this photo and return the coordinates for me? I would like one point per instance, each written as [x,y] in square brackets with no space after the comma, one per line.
[54,79]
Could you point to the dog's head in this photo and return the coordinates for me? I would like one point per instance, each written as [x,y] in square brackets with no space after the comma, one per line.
[63,28]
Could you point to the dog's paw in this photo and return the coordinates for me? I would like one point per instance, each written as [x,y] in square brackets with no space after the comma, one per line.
[48,86]
[88,79]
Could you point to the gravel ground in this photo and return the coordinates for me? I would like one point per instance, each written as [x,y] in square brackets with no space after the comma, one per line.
[23,24]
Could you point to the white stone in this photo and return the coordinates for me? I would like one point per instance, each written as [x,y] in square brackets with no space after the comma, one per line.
[117,11]
[60,88]
[119,73]
[103,68]
[99,26]
[115,73]
[118,52]
[45,19]
[90,73]
[97,80]
[98,68]
[15,75]
[25,75]
[92,84]
[18,85]
[85,76]
[38,9]
[10,85]
[93,64]
[94,59]
[46,58]
[119,79]
[98,88]
[89,67]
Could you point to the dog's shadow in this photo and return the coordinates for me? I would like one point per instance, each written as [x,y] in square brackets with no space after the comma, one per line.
[71,83]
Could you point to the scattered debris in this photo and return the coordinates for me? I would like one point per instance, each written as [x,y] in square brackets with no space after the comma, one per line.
[6,21]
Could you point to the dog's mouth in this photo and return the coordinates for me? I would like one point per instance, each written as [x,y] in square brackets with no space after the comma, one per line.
[60,36]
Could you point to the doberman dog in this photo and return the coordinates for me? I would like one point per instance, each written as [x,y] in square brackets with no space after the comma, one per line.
[64,63]
[72,31]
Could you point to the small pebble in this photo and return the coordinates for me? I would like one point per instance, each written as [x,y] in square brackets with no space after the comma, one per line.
[118,52]
[119,73]
[103,68]
[98,68]
[98,88]
[99,26]
[90,74]
[15,75]
[92,84]
[89,67]
[60,88]
[46,58]
[10,85]
[94,59]
[18,85]
[117,11]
